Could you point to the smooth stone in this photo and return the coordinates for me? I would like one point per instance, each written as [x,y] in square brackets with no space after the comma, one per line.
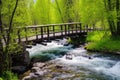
[35,69]
[38,64]
[33,75]
[39,73]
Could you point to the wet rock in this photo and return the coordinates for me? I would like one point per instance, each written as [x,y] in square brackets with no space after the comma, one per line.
[19,69]
[39,73]
[32,75]
[58,66]
[35,69]
[67,44]
[39,64]
[69,56]
[26,58]
[44,43]
[34,44]
[21,58]
[28,46]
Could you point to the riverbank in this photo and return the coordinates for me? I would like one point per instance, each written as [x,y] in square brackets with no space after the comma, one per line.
[103,42]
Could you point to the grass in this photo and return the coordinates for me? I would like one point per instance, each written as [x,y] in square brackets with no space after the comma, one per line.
[102,41]
[8,75]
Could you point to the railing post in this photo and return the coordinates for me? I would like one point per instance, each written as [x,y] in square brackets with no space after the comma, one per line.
[26,35]
[41,33]
[65,30]
[76,28]
[53,31]
[80,28]
[72,28]
[19,37]
[68,29]
[36,33]
[86,28]
[61,29]
[93,27]
[48,33]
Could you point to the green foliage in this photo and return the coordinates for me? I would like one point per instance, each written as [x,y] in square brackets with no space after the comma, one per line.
[92,11]
[22,15]
[1,78]
[96,36]
[42,11]
[14,48]
[8,75]
[101,42]
[69,40]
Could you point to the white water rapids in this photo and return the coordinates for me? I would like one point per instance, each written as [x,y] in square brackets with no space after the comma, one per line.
[102,64]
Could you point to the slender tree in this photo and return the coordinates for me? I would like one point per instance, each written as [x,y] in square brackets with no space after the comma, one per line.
[118,16]
[1,44]
[113,16]
[5,58]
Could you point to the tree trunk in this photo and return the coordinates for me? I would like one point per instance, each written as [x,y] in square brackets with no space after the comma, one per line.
[118,17]
[69,4]
[10,29]
[1,44]
[5,58]
[110,18]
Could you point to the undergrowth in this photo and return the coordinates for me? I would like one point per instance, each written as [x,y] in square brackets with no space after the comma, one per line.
[102,41]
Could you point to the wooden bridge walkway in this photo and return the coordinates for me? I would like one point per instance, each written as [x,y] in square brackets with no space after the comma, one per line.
[51,31]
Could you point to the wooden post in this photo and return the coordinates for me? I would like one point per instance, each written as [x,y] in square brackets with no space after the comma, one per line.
[72,28]
[80,28]
[93,27]
[48,33]
[76,28]
[41,33]
[68,29]
[61,30]
[86,28]
[26,34]
[36,33]
[53,31]
[65,30]
[19,37]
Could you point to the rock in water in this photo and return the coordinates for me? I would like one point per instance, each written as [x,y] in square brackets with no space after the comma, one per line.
[35,69]
[39,64]
[69,56]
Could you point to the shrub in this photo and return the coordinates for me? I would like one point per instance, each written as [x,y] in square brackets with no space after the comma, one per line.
[8,75]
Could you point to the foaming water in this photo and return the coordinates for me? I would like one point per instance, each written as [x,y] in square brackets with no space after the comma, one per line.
[104,66]
[100,65]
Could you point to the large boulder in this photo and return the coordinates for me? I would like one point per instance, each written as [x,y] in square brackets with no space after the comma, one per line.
[19,69]
[20,59]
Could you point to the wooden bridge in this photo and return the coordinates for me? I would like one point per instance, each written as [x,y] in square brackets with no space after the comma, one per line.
[51,31]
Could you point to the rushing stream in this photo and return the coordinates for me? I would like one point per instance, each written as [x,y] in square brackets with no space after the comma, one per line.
[83,65]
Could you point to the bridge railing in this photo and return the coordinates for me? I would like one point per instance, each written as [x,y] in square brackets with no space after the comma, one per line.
[46,31]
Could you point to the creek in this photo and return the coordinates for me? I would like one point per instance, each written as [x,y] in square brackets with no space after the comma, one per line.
[84,65]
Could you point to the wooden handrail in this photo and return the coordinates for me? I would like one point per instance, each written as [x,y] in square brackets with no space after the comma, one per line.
[72,23]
